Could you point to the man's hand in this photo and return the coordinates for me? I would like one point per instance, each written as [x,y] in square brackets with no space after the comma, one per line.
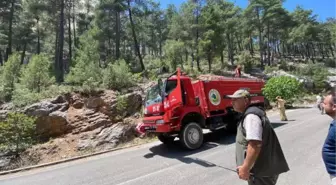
[243,172]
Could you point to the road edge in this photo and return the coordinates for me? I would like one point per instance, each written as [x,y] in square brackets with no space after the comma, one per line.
[67,160]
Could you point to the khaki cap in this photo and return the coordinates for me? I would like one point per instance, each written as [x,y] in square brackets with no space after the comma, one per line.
[241,93]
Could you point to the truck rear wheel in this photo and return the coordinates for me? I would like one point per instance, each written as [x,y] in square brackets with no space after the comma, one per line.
[166,139]
[191,136]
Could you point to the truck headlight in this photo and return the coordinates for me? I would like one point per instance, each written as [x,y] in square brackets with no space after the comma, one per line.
[145,111]
[160,122]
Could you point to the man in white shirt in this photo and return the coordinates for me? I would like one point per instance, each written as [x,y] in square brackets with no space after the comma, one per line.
[259,157]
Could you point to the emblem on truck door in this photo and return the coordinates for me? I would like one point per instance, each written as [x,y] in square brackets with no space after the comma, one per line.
[214,97]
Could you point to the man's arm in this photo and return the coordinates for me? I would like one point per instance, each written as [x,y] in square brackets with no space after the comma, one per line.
[253,150]
[253,128]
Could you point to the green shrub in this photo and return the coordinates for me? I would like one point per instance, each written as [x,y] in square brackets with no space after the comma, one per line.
[35,76]
[284,86]
[317,72]
[175,51]
[17,132]
[246,60]
[330,62]
[86,64]
[117,76]
[22,96]
[284,65]
[269,69]
[10,76]
[91,85]
[121,104]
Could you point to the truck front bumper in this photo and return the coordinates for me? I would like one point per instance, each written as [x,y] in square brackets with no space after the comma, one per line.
[154,125]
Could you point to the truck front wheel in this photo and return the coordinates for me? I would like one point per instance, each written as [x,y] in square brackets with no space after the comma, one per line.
[191,136]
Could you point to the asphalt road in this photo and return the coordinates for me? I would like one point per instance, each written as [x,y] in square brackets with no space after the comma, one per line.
[152,164]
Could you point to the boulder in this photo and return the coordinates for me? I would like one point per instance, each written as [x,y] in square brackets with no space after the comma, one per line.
[94,102]
[84,120]
[5,162]
[116,134]
[76,101]
[109,137]
[7,106]
[58,100]
[41,109]
[53,125]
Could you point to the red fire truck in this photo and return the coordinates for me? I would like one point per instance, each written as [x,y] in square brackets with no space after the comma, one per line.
[182,108]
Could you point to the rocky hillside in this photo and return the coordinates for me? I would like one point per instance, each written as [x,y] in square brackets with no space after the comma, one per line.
[76,123]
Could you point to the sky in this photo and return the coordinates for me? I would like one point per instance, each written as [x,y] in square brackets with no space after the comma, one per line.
[322,8]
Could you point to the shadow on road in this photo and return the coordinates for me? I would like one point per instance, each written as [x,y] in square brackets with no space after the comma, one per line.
[175,150]
[211,140]
[279,124]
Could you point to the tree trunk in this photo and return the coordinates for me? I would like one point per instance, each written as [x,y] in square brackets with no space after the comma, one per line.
[196,38]
[239,43]
[117,30]
[10,32]
[322,52]
[301,50]
[134,35]
[331,51]
[143,49]
[222,59]
[325,51]
[56,50]
[313,51]
[1,61]
[160,48]
[251,46]
[38,36]
[23,54]
[283,51]
[70,42]
[60,68]
[186,56]
[268,45]
[260,39]
[74,24]
[209,60]
[192,60]
[307,50]
[230,52]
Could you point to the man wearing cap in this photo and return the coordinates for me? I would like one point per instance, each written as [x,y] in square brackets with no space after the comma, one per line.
[259,156]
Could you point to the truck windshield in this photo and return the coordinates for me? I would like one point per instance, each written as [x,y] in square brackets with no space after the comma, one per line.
[153,95]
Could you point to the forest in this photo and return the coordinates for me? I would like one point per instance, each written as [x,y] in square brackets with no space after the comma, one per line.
[111,43]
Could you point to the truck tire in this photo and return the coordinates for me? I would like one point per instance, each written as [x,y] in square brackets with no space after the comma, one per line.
[191,136]
[166,139]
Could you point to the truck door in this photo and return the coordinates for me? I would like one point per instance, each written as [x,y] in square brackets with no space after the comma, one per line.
[173,96]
